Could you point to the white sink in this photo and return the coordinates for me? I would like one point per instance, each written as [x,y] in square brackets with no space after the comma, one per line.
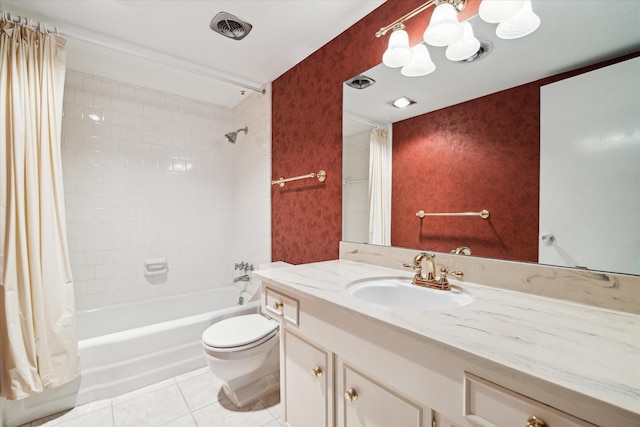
[399,292]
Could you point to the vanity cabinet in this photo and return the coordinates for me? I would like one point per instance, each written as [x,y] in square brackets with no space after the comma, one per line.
[308,391]
[320,388]
[343,369]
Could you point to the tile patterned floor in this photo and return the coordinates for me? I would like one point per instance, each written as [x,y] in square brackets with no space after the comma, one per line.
[194,399]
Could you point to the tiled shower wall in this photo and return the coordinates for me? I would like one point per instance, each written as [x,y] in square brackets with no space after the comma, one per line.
[252,180]
[149,175]
[355,187]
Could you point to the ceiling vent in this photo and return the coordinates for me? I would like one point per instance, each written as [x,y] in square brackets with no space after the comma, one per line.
[485,47]
[230,26]
[360,82]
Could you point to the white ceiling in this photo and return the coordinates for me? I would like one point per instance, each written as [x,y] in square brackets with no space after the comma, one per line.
[176,36]
[178,33]
[572,34]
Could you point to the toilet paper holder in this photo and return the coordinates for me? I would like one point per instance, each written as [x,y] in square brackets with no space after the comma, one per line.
[155,266]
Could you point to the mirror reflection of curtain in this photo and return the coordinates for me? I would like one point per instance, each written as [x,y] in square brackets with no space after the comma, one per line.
[380,187]
[38,344]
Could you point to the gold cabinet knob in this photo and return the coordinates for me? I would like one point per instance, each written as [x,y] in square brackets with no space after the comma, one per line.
[278,306]
[351,395]
[534,421]
[316,372]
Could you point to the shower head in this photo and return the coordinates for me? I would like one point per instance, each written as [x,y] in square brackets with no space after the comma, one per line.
[232,136]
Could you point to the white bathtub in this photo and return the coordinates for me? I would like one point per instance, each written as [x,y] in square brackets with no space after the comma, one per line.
[128,346]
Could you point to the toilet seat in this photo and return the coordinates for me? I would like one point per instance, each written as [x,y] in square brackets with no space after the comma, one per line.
[239,333]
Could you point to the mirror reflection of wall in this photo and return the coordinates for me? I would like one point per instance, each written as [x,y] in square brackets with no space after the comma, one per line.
[355,181]
[589,170]
[484,153]
[366,172]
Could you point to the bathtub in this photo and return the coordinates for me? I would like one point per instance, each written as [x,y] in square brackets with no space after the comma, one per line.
[128,346]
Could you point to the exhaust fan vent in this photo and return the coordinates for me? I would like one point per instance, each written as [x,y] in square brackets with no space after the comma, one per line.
[230,26]
[360,82]
[485,47]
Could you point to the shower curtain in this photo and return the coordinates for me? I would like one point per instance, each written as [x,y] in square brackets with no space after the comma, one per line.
[38,344]
[379,187]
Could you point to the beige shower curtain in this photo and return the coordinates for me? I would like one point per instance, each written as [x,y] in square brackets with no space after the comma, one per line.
[379,187]
[38,344]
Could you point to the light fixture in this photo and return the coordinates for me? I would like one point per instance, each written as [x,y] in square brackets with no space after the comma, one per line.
[444,27]
[496,11]
[515,19]
[403,102]
[399,52]
[420,63]
[521,24]
[465,47]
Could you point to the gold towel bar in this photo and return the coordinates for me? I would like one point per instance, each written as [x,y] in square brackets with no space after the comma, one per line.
[484,214]
[321,175]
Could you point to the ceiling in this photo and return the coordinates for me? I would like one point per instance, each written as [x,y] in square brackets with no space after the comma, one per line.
[572,34]
[168,45]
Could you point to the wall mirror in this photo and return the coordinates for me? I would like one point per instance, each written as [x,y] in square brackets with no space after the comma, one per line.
[571,35]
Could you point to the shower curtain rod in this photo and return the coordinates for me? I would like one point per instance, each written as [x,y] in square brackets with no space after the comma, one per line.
[133,50]
[357,118]
[23,20]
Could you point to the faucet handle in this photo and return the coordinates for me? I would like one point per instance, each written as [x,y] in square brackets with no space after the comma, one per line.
[457,274]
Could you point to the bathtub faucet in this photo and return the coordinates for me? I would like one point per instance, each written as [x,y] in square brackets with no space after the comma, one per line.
[244,266]
[243,278]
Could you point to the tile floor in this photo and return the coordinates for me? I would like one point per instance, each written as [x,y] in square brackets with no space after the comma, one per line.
[194,399]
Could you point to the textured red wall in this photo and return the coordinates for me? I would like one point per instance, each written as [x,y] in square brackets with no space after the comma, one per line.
[306,220]
[482,154]
[307,133]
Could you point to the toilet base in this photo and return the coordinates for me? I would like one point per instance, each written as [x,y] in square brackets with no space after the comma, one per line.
[250,393]
[249,388]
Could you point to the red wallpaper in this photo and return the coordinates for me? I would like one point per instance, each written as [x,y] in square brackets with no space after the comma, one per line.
[307,133]
[482,154]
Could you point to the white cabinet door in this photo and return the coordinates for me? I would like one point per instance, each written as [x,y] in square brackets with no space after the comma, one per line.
[367,403]
[307,383]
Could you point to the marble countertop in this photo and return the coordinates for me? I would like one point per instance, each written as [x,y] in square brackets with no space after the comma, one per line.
[590,350]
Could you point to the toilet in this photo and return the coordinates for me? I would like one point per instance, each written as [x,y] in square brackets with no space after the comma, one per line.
[243,352]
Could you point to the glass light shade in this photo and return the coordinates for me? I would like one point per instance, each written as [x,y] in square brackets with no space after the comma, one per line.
[495,11]
[398,53]
[465,47]
[420,64]
[522,24]
[444,27]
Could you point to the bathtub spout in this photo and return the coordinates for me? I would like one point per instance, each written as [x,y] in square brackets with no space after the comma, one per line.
[243,278]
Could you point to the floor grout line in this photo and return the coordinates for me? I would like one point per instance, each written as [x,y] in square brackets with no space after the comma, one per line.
[195,376]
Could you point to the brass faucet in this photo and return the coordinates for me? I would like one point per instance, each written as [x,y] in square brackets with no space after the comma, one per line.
[428,279]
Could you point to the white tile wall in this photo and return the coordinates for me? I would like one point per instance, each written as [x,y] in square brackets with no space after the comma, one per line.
[149,174]
[252,180]
[355,193]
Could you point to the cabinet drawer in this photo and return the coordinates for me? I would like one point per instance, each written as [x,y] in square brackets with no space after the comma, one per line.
[490,405]
[281,305]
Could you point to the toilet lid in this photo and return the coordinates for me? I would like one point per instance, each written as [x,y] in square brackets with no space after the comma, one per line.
[238,331]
